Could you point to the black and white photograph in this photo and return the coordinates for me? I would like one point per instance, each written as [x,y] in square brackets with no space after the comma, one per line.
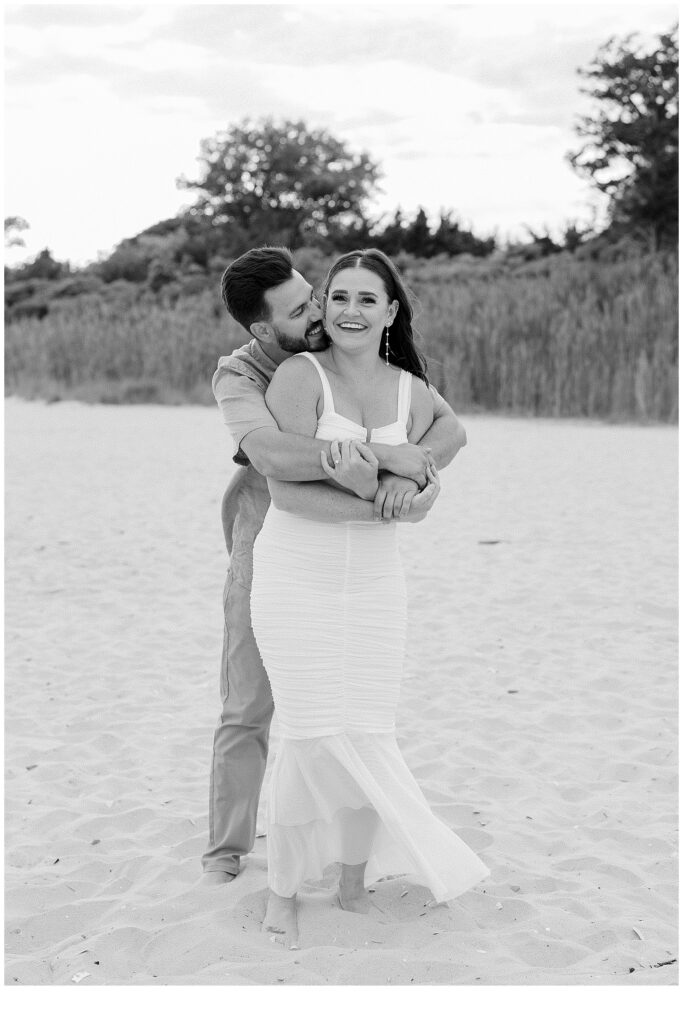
[341,503]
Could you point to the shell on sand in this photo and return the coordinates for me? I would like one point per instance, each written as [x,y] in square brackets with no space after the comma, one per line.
[538,711]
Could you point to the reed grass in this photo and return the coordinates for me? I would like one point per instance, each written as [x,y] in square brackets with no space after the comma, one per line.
[560,337]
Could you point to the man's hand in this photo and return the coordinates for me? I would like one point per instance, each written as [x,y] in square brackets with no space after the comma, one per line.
[394,496]
[409,460]
[353,467]
[422,502]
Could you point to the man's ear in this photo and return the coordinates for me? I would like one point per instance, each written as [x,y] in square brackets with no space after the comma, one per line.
[261,329]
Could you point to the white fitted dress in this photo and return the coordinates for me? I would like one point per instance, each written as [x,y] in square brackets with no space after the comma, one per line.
[329,615]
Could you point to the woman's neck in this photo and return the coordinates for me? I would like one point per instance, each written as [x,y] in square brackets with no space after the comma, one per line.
[362,365]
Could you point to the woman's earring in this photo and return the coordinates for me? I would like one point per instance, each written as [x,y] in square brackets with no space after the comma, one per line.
[386,346]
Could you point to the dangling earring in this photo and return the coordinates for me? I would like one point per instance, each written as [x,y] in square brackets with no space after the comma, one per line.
[386,346]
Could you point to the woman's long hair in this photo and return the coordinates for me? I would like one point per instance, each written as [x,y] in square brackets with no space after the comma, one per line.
[402,350]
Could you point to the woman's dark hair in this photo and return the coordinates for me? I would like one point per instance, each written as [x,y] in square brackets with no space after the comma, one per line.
[402,350]
[246,280]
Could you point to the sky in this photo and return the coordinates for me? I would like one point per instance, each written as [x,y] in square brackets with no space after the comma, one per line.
[468,108]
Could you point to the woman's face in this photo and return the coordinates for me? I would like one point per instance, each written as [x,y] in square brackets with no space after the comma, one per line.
[357,309]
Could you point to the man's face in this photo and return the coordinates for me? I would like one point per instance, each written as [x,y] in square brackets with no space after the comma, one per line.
[296,317]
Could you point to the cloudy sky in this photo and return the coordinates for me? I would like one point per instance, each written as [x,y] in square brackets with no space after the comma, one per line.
[465,107]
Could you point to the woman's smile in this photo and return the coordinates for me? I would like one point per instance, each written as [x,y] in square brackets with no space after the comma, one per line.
[351,325]
[357,303]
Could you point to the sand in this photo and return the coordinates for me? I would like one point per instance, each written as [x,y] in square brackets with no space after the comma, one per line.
[538,712]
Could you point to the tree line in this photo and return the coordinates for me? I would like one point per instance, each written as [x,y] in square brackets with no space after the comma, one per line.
[282,183]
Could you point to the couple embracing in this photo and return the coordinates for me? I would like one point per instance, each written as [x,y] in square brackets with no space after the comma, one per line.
[339,437]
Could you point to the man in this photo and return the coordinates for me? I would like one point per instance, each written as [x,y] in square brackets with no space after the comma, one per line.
[270,299]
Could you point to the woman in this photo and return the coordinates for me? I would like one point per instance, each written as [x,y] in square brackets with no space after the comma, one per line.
[329,615]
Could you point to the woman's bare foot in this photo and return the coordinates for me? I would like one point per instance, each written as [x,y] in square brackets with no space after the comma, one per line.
[352,895]
[281,920]
[355,904]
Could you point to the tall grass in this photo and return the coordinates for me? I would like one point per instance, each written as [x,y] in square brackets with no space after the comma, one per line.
[121,350]
[572,339]
[560,337]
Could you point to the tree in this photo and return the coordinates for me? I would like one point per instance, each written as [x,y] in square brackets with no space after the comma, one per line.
[418,236]
[390,238]
[450,238]
[280,183]
[542,245]
[129,261]
[631,148]
[573,236]
[44,267]
[13,227]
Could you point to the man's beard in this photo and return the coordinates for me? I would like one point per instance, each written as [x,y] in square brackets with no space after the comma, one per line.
[305,344]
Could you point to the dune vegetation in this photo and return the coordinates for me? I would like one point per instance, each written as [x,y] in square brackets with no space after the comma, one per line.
[557,336]
[582,324]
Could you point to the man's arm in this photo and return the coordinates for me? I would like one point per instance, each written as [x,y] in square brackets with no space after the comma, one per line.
[281,456]
[445,437]
[285,455]
[328,505]
[320,502]
[278,454]
[255,432]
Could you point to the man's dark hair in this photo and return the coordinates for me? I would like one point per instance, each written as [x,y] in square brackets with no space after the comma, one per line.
[246,280]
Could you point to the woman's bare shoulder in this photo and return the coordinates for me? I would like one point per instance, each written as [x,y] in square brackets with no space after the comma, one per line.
[296,372]
[420,393]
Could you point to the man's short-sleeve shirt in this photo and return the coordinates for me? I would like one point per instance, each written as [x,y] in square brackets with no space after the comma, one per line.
[239,385]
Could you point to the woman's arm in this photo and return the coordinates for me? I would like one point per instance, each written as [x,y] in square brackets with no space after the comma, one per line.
[446,435]
[421,411]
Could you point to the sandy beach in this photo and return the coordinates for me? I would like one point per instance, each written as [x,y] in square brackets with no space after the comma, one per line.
[538,713]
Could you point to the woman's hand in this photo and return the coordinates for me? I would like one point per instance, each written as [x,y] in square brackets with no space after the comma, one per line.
[354,467]
[422,502]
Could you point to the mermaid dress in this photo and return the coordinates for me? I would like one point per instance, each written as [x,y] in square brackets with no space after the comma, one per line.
[329,615]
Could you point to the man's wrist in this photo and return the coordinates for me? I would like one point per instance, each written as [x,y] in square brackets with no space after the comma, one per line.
[370,493]
[385,455]
[407,460]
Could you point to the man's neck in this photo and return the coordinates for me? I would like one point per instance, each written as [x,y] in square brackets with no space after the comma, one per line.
[273,351]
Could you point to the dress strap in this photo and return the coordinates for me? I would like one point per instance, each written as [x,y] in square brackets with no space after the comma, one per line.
[405,386]
[328,401]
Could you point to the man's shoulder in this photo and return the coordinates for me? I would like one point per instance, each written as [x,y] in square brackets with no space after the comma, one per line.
[246,362]
[243,360]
